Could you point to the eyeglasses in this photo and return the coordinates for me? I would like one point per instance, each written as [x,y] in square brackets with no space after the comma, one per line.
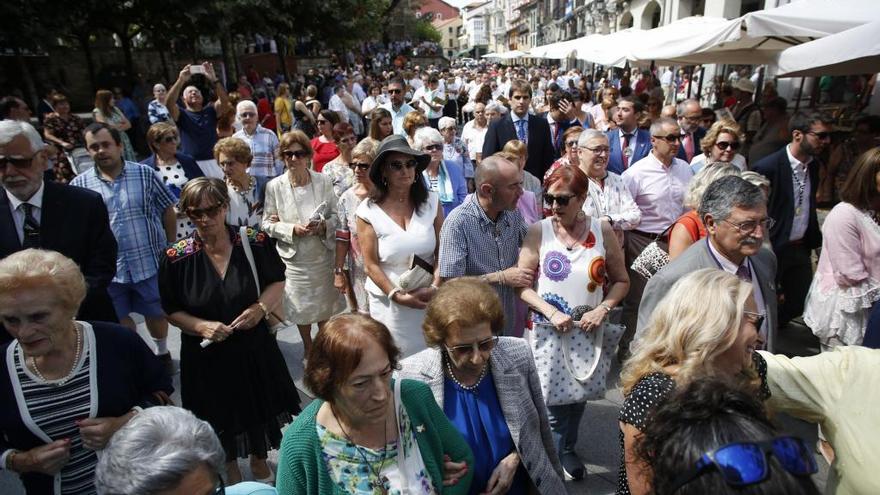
[297,153]
[204,212]
[168,139]
[571,144]
[434,147]
[395,91]
[756,318]
[599,150]
[746,463]
[560,200]
[723,145]
[359,166]
[398,166]
[821,136]
[750,226]
[247,115]
[462,351]
[672,138]
[18,162]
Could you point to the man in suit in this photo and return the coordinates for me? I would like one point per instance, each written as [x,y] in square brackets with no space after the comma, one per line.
[793,172]
[559,119]
[735,214]
[46,215]
[628,143]
[689,114]
[520,124]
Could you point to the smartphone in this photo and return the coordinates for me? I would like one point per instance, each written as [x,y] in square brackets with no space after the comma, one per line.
[196,69]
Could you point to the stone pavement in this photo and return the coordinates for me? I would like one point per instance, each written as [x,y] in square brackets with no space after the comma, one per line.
[598,440]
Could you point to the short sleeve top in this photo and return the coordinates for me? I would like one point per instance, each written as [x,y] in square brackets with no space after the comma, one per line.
[198,132]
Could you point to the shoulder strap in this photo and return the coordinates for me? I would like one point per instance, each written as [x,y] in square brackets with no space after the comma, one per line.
[246,245]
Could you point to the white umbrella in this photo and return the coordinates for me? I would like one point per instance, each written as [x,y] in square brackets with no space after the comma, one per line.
[511,54]
[610,49]
[490,55]
[691,35]
[854,51]
[811,18]
[558,50]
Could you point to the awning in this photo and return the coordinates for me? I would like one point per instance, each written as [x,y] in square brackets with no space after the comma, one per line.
[854,51]
[558,50]
[610,50]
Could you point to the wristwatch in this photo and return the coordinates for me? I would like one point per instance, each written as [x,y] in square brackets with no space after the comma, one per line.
[339,271]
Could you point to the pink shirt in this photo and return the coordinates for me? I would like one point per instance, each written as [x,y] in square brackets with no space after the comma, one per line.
[850,249]
[658,191]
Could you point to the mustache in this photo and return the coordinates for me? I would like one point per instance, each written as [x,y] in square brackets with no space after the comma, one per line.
[752,241]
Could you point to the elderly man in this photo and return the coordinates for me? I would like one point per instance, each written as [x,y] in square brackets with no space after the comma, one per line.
[14,108]
[396,105]
[39,214]
[793,172]
[735,215]
[657,184]
[197,120]
[482,237]
[143,220]
[689,114]
[262,141]
[474,133]
[628,143]
[156,110]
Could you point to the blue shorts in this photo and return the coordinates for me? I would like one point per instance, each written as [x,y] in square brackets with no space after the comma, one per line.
[140,297]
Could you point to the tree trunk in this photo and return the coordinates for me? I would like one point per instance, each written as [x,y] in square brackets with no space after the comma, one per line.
[227,59]
[282,55]
[130,72]
[164,61]
[31,94]
[83,39]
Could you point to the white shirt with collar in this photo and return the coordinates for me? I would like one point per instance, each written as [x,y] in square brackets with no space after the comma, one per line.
[516,118]
[729,267]
[800,181]
[18,213]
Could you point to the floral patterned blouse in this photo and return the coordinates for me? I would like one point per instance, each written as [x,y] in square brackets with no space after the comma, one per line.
[69,130]
[340,174]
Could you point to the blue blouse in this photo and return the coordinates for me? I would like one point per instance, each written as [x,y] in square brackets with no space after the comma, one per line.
[477,415]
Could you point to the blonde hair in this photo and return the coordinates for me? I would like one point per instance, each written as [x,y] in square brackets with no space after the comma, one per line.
[158,131]
[690,332]
[462,303]
[707,175]
[412,121]
[234,148]
[755,178]
[295,136]
[722,126]
[516,147]
[366,148]
[44,270]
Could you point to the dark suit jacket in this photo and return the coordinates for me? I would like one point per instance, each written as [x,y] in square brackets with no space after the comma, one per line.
[699,134]
[541,154]
[695,258]
[780,207]
[188,163]
[74,222]
[615,158]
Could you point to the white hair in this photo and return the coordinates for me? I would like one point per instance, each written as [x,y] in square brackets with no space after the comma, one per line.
[157,86]
[589,134]
[426,136]
[155,450]
[245,105]
[446,122]
[9,129]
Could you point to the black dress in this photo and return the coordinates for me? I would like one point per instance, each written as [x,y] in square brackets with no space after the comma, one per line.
[241,386]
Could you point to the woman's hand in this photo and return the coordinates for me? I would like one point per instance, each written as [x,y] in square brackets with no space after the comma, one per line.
[561,321]
[318,228]
[593,319]
[502,475]
[213,330]
[96,432]
[340,282]
[249,318]
[409,301]
[301,230]
[453,471]
[45,459]
[424,294]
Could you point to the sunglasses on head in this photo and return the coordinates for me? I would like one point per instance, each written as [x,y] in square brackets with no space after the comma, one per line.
[723,145]
[747,463]
[359,166]
[398,166]
[560,200]
[16,161]
[297,154]
[462,351]
[204,212]
[671,138]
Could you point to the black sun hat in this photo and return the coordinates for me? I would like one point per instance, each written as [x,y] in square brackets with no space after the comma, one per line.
[396,143]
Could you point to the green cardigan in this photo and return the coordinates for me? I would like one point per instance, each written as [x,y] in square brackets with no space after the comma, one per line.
[301,468]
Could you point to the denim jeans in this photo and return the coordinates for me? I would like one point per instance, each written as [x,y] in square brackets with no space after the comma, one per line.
[564,423]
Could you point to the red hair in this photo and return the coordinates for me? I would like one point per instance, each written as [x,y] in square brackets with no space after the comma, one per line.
[570,176]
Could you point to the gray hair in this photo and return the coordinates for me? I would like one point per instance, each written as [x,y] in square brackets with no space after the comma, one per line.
[657,125]
[9,129]
[726,193]
[494,106]
[245,105]
[589,134]
[445,122]
[158,85]
[155,450]
[755,178]
[682,107]
[426,136]
[366,148]
[706,176]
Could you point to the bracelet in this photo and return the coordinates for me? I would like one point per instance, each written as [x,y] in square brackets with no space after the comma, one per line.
[264,309]
[501,274]
[551,314]
[607,307]
[10,459]
[339,271]
[435,287]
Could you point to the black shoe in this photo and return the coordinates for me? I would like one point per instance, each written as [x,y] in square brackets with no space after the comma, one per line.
[168,363]
[572,467]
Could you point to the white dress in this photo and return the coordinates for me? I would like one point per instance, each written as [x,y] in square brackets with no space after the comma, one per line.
[396,245]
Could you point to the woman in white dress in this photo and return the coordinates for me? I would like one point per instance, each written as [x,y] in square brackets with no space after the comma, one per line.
[300,212]
[400,219]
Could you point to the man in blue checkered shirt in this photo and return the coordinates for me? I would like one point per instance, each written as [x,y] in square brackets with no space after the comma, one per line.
[143,220]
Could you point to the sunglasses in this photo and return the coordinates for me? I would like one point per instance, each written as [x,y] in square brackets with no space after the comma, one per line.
[821,136]
[723,145]
[247,115]
[571,144]
[462,351]
[395,91]
[204,212]
[298,154]
[19,162]
[756,318]
[672,138]
[398,166]
[560,200]
[434,147]
[746,463]
[359,166]
[167,139]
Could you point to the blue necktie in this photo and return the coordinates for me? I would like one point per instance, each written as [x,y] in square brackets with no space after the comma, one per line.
[521,131]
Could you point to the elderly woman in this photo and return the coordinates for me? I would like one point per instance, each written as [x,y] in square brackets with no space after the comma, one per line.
[62,127]
[689,227]
[570,155]
[156,110]
[720,144]
[454,149]
[174,167]
[67,385]
[368,433]
[349,275]
[323,145]
[219,289]
[488,387]
[107,112]
[521,151]
[247,194]
[608,197]
[412,122]
[300,212]
[687,337]
[400,220]
[577,255]
[380,125]
[338,169]
[446,178]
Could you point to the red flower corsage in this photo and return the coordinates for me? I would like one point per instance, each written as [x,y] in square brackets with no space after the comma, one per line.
[590,241]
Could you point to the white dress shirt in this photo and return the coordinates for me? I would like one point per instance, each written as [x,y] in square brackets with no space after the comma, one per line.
[36,201]
[658,191]
[800,180]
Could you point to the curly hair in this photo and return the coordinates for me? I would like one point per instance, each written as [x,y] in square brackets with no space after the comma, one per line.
[46,271]
[718,128]
[234,148]
[462,303]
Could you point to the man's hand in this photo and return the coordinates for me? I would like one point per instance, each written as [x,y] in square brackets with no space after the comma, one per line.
[518,277]
[185,74]
[209,71]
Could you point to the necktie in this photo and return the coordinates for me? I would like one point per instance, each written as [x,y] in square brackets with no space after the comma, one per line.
[521,131]
[31,228]
[744,273]
[625,150]
[689,146]
[556,135]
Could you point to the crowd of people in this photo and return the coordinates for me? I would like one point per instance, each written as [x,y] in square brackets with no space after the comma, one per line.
[475,247]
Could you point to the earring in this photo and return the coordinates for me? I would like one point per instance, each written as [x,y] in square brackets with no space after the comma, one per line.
[581,215]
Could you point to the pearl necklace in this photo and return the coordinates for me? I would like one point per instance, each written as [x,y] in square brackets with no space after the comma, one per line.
[72,372]
[469,388]
[251,183]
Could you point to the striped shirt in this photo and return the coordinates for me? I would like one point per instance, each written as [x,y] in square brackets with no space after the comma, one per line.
[136,201]
[55,410]
[263,143]
[472,245]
